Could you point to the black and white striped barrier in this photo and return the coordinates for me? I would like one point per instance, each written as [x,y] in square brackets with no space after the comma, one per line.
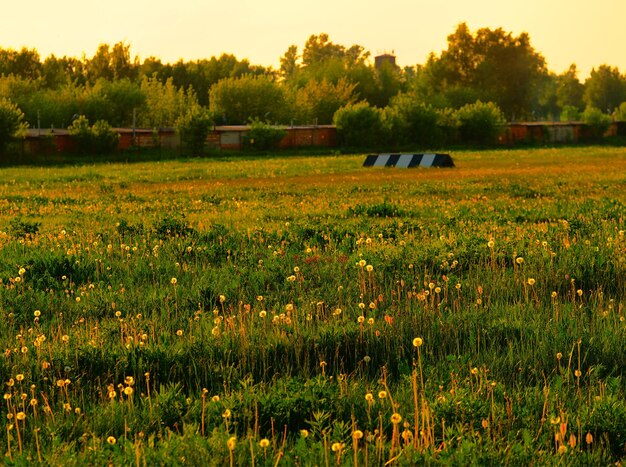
[406,161]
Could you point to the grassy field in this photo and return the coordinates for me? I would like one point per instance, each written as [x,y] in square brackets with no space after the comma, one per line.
[305,310]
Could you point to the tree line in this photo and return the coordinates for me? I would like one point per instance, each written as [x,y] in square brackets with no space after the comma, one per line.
[310,86]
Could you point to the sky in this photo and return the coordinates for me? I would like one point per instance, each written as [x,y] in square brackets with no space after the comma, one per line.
[588,34]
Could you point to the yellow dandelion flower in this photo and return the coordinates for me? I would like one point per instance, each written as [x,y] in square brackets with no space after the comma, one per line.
[362,263]
[369,397]
[357,434]
[21,416]
[396,418]
[531,281]
[382,394]
[336,447]
[173,281]
[111,440]
[226,413]
[231,443]
[37,313]
[304,433]
[128,391]
[179,332]
[519,260]
[417,342]
[19,377]
[369,268]
[264,443]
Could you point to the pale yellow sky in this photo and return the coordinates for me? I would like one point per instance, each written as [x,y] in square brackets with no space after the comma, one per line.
[586,33]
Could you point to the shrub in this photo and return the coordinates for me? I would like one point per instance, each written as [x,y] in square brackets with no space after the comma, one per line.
[11,122]
[360,125]
[263,135]
[99,138]
[620,113]
[193,129]
[413,122]
[570,113]
[480,122]
[597,121]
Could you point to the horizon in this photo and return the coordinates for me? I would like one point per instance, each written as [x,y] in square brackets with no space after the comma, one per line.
[262,33]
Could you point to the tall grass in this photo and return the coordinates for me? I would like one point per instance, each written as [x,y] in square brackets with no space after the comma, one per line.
[307,310]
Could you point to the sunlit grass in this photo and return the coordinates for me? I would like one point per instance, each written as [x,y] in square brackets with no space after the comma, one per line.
[305,309]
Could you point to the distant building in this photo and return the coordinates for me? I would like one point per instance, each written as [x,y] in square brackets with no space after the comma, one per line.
[384,58]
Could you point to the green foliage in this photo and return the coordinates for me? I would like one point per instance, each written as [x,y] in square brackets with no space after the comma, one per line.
[24,228]
[194,128]
[620,113]
[480,123]
[605,89]
[597,121]
[238,100]
[11,122]
[570,113]
[317,102]
[99,138]
[413,122]
[263,136]
[361,126]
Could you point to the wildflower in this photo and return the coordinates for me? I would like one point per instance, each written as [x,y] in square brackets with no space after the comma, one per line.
[396,418]
[336,447]
[589,438]
[33,402]
[179,332]
[173,281]
[369,397]
[21,416]
[65,338]
[37,313]
[19,377]
[361,319]
[370,321]
[304,433]
[296,269]
[262,314]
[417,342]
[118,314]
[128,391]
[519,260]
[369,268]
[112,394]
[437,290]
[232,441]
[264,443]
[490,243]
[215,398]
[382,395]
[357,434]
[226,413]
[559,355]
[362,263]
[474,371]
[577,373]
[222,298]
[554,294]
[531,281]
[111,440]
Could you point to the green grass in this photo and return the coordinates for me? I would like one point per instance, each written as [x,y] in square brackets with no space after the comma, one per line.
[179,312]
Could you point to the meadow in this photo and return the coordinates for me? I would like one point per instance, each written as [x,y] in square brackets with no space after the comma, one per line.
[287,310]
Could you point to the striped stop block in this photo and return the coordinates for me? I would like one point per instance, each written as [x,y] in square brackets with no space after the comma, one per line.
[408,160]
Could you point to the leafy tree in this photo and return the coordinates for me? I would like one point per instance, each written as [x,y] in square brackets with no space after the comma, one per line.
[413,122]
[24,63]
[605,88]
[361,126]
[597,121]
[11,122]
[318,101]
[620,113]
[570,113]
[289,62]
[112,63]
[164,103]
[492,64]
[263,136]
[238,100]
[480,122]
[570,90]
[193,128]
[98,138]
